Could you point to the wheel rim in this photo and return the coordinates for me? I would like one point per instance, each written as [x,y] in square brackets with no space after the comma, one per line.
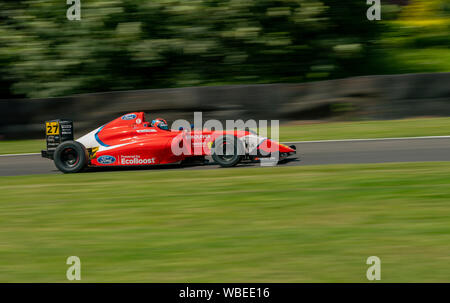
[70,157]
[228,153]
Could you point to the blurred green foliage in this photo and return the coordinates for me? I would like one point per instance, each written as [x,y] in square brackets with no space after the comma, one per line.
[137,44]
[418,38]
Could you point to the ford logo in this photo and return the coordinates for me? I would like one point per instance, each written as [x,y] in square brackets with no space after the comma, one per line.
[106,160]
[129,117]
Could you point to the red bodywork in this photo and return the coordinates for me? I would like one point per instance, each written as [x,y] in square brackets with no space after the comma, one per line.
[130,140]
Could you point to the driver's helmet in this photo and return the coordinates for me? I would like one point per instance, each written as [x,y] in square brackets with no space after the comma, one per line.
[160,123]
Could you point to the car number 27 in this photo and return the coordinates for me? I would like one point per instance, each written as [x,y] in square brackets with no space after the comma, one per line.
[52,128]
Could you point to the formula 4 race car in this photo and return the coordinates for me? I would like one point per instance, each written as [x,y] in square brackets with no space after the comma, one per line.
[130,140]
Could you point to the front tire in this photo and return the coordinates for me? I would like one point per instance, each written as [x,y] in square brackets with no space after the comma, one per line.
[70,157]
[227,151]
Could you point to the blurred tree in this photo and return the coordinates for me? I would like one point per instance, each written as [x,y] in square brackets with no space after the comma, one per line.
[418,40]
[135,44]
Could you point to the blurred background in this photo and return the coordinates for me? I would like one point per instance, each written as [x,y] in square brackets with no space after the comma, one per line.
[318,66]
[260,59]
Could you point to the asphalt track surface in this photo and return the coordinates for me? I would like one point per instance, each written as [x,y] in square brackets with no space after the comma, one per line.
[308,153]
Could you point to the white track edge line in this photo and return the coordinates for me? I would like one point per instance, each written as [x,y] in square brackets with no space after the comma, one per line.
[299,142]
[372,139]
[24,154]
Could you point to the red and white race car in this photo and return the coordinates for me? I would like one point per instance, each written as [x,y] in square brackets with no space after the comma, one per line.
[130,140]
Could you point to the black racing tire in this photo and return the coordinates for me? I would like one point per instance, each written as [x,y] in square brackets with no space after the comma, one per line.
[70,157]
[235,151]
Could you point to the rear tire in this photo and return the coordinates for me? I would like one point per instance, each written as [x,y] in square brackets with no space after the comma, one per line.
[227,151]
[70,157]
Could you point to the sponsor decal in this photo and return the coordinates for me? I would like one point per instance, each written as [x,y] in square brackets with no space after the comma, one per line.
[198,144]
[138,121]
[203,137]
[129,117]
[146,130]
[136,160]
[198,140]
[106,159]
[66,129]
[92,152]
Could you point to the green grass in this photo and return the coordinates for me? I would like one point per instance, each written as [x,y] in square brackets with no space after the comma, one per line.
[284,224]
[310,131]
[366,129]
[22,146]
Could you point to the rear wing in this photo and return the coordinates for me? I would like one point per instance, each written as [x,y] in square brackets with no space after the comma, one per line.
[56,132]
